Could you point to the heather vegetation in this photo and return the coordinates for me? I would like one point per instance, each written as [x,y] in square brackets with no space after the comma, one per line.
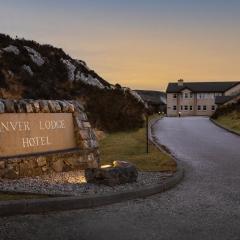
[229,116]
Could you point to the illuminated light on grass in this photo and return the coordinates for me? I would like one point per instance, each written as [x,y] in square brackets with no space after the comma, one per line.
[106,166]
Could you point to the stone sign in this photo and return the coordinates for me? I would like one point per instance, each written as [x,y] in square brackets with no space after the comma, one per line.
[45,136]
[24,133]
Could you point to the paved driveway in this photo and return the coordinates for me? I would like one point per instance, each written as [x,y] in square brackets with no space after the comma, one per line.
[206,205]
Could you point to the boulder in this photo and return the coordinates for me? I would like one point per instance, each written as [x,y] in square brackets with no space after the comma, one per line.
[112,176]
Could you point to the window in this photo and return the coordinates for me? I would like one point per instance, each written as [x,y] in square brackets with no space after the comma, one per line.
[186,107]
[174,108]
[191,95]
[213,107]
[186,95]
[211,95]
[199,108]
[204,108]
[181,107]
[203,96]
[174,95]
[191,108]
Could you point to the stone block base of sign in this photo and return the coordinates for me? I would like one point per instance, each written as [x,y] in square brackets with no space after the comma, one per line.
[50,163]
[83,153]
[119,173]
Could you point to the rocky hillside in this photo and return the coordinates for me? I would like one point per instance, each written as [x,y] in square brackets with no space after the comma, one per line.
[32,70]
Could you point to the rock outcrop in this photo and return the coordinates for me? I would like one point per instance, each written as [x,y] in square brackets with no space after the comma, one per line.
[34,71]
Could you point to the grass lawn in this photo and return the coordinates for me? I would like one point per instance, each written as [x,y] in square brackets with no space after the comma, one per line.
[131,146]
[231,121]
[16,196]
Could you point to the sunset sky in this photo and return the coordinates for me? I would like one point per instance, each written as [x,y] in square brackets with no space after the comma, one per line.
[140,44]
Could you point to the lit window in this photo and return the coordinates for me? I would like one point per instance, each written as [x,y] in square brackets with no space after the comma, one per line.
[175,108]
[174,95]
[186,107]
[191,108]
[204,108]
[213,107]
[199,108]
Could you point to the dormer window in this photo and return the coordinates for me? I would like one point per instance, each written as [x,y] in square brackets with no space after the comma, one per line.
[186,95]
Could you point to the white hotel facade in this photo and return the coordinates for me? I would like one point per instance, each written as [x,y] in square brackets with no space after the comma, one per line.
[198,98]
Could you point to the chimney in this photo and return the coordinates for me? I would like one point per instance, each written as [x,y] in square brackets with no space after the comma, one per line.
[180,82]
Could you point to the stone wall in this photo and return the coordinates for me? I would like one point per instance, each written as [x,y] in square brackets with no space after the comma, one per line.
[85,155]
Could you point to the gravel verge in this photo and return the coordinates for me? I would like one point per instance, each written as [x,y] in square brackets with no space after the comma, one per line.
[73,184]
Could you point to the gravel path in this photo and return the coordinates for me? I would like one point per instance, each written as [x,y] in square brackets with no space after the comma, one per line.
[74,184]
[205,206]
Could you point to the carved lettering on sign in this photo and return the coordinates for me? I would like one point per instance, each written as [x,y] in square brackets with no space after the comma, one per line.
[35,141]
[14,126]
[50,124]
[24,133]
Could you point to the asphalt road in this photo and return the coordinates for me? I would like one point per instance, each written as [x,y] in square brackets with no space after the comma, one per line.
[206,205]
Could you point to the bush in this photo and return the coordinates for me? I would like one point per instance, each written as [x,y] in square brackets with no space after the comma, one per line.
[226,109]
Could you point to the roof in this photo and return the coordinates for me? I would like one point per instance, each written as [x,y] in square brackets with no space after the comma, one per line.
[223,99]
[201,86]
[154,97]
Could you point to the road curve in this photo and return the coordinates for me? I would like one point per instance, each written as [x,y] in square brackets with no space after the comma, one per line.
[205,206]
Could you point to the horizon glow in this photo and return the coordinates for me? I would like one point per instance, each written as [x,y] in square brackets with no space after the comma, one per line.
[140,44]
